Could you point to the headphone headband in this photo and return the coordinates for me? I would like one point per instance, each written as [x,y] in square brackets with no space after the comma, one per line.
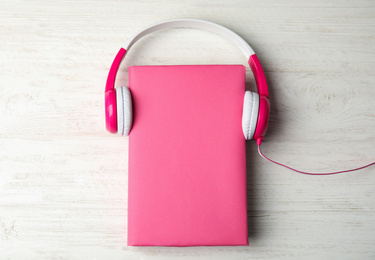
[197,24]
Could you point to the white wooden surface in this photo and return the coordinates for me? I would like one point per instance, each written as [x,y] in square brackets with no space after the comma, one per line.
[63,178]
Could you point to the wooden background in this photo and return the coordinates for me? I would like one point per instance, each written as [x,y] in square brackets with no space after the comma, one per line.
[63,178]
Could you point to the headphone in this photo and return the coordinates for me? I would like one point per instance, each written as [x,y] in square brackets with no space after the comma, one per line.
[256,106]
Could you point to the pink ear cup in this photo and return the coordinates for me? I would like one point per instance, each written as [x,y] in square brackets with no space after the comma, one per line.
[264,103]
[263,116]
[110,94]
[111,111]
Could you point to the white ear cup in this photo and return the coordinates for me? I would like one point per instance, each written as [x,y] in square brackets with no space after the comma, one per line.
[124,110]
[250,114]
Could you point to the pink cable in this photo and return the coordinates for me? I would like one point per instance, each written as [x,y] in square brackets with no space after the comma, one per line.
[310,173]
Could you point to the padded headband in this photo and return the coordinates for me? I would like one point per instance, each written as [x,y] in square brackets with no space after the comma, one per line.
[199,24]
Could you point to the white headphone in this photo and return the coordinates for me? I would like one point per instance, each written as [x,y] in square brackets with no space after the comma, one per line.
[256,105]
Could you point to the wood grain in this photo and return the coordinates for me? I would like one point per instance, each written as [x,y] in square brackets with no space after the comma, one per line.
[63,179]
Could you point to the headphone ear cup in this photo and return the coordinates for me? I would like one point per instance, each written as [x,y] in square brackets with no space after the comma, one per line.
[124,110]
[250,114]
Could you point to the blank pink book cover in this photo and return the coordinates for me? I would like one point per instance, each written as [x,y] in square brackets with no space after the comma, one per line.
[187,158]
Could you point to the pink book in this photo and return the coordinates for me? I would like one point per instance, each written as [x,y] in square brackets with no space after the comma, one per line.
[187,158]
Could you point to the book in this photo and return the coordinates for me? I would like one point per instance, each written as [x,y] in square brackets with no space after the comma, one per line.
[187,156]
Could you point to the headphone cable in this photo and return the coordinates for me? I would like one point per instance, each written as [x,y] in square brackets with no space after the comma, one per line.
[310,173]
